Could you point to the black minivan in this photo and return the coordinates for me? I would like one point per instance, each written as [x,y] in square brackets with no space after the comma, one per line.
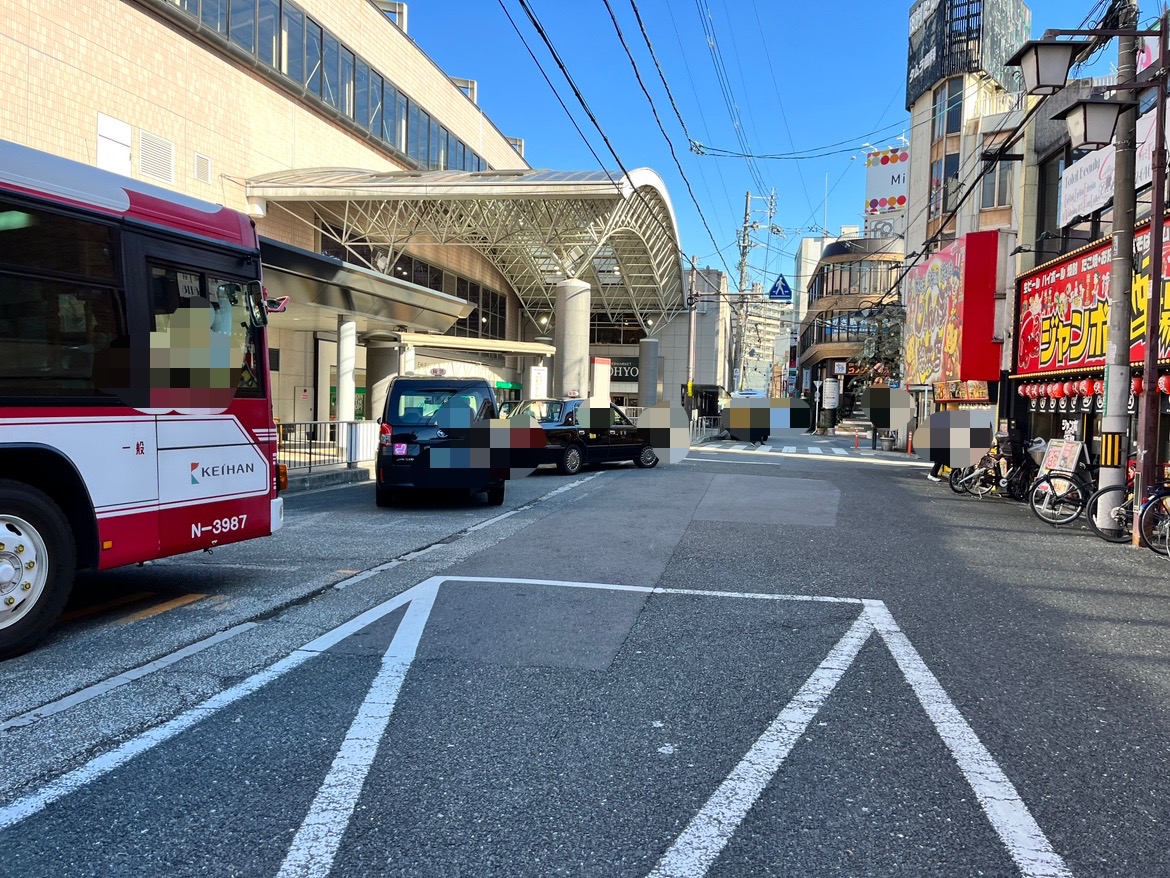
[425,439]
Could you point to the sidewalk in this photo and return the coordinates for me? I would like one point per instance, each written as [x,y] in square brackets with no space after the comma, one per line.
[300,480]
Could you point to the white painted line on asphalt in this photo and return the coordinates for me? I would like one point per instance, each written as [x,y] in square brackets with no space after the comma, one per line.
[315,845]
[89,692]
[738,448]
[148,740]
[863,457]
[1009,816]
[648,589]
[767,448]
[697,848]
[812,449]
[839,450]
[789,449]
[759,596]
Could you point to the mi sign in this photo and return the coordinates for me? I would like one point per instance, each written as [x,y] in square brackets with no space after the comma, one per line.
[623,368]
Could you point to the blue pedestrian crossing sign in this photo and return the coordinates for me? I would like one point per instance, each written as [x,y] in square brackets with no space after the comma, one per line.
[780,291]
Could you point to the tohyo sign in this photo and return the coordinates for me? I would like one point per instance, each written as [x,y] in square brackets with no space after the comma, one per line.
[623,368]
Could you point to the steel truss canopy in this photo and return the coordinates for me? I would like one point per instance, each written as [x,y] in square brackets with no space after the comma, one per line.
[615,232]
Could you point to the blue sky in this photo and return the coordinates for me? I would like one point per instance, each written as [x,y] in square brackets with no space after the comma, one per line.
[802,76]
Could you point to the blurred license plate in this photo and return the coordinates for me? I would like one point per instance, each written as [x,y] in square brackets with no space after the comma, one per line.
[399,449]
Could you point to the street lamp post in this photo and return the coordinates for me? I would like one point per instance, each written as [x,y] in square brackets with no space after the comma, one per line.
[1045,65]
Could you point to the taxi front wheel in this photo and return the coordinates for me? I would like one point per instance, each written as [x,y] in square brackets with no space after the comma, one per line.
[647,459]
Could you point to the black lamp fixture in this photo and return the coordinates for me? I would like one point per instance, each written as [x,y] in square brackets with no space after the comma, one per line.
[1045,63]
[1092,122]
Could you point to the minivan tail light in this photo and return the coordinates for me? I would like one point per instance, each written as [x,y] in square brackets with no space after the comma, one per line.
[385,435]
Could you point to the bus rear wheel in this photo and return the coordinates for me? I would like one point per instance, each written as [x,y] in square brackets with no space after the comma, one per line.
[37,561]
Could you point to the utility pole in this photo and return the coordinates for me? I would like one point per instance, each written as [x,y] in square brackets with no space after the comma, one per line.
[1117,380]
[745,246]
[691,341]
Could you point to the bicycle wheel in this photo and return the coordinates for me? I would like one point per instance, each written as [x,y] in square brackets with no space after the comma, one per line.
[1020,480]
[1114,507]
[1154,523]
[955,480]
[981,480]
[1058,499]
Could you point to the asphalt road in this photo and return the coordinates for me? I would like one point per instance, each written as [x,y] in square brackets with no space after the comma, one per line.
[749,663]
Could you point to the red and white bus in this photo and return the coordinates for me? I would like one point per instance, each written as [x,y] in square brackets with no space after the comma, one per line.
[135,419]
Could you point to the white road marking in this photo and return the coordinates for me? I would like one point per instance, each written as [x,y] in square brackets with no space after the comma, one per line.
[1009,816]
[101,688]
[314,848]
[839,450]
[148,740]
[789,449]
[738,448]
[812,449]
[697,848]
[767,448]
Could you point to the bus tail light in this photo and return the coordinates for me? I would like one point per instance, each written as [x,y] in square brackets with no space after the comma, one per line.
[385,435]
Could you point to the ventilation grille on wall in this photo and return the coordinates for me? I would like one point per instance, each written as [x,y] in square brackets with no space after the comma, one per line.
[202,168]
[156,157]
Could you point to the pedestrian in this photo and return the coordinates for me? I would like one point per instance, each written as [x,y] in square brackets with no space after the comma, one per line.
[933,475]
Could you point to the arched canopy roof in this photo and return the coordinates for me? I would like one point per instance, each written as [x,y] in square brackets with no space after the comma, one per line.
[616,232]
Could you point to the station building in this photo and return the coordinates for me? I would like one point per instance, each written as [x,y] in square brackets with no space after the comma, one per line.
[401,230]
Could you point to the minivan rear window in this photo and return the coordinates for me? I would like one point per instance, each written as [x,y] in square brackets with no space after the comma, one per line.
[421,406]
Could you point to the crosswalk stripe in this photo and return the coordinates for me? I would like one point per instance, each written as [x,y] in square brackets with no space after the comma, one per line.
[812,449]
[738,447]
[767,448]
[840,451]
[789,449]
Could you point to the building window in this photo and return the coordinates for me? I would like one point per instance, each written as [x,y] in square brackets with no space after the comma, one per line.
[243,24]
[313,57]
[952,188]
[939,112]
[293,49]
[214,15]
[345,84]
[936,188]
[947,108]
[997,186]
[280,35]
[330,68]
[268,32]
[375,104]
[954,106]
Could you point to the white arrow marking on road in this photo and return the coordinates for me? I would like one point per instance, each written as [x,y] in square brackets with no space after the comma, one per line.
[315,846]
[1009,816]
[709,831]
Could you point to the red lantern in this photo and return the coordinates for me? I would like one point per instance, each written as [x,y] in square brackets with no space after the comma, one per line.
[1098,387]
[1022,390]
[1056,391]
[1086,387]
[1164,384]
[1137,386]
[1070,388]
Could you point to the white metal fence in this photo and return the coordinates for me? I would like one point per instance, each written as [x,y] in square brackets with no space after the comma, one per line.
[305,445]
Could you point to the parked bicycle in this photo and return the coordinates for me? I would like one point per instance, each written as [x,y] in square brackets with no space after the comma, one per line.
[1007,468]
[1059,497]
[1109,511]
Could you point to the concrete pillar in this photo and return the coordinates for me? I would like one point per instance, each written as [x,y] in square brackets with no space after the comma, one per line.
[571,337]
[381,367]
[648,372]
[346,358]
